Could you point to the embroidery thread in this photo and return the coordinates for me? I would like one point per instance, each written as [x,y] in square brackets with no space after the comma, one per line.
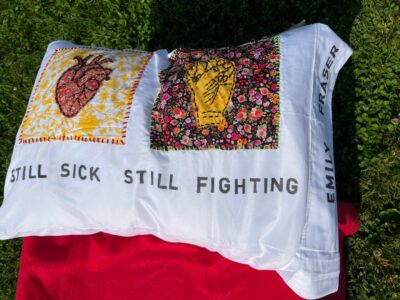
[79,83]
[224,98]
[95,106]
[211,84]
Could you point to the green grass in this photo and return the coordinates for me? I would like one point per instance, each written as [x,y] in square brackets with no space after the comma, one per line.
[374,254]
[366,98]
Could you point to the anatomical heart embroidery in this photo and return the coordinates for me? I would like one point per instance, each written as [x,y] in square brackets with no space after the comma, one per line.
[79,83]
[84,94]
[225,98]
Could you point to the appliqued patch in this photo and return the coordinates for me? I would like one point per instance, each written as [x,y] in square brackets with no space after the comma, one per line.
[211,84]
[224,98]
[84,94]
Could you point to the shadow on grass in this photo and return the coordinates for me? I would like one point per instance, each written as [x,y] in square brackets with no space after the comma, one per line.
[207,23]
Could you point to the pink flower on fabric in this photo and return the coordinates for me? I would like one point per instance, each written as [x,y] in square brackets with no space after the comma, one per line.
[186,141]
[258,52]
[235,136]
[261,132]
[245,71]
[244,61]
[179,113]
[247,128]
[255,114]
[163,103]
[165,96]
[241,114]
[241,98]
[264,91]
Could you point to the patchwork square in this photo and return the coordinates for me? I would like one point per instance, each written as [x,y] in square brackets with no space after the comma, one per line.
[224,98]
[84,94]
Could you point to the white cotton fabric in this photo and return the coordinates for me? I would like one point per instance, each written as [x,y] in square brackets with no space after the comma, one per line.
[293,233]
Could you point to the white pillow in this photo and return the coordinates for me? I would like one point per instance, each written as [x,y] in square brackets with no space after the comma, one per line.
[230,149]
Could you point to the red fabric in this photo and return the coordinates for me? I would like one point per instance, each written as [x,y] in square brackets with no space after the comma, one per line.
[103,266]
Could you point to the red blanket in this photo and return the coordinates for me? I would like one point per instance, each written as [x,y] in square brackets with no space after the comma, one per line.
[103,266]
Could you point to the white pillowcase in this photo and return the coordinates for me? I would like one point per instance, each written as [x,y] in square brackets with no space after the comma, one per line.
[229,149]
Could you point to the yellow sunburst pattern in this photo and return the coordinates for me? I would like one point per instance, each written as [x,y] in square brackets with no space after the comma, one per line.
[104,118]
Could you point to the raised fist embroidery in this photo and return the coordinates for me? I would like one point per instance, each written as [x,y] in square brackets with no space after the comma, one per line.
[225,98]
[80,83]
[211,84]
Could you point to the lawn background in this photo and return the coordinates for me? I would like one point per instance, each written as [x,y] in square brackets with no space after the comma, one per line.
[366,98]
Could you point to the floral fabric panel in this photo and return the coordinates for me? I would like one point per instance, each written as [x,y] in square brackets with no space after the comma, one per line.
[84,94]
[224,98]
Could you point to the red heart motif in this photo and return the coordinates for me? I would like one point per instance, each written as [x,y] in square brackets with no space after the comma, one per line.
[80,83]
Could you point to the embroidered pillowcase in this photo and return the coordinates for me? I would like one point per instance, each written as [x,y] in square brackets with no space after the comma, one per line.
[230,149]
[74,140]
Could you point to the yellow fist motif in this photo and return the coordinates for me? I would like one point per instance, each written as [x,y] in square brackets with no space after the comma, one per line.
[211,84]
